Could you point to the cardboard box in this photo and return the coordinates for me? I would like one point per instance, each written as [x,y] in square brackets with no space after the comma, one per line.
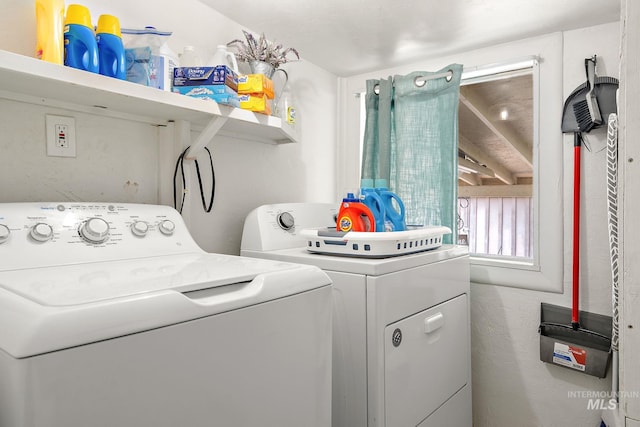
[256,103]
[255,84]
[205,76]
[214,89]
[220,93]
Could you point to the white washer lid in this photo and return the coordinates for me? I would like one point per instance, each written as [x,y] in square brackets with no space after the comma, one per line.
[94,282]
[58,307]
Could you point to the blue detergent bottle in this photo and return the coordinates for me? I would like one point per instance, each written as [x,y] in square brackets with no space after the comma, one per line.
[375,204]
[393,207]
[80,45]
[110,48]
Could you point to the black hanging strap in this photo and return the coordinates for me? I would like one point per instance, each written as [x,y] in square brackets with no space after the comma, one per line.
[180,165]
[213,183]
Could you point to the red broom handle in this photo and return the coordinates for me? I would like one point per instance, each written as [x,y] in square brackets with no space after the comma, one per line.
[575,316]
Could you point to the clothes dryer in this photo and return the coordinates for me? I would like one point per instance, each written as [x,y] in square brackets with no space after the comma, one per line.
[401,338]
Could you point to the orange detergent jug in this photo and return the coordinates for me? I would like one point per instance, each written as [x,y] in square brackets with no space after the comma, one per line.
[354,216]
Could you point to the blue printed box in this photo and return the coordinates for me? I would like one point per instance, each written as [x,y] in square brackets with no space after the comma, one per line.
[209,89]
[220,93]
[205,76]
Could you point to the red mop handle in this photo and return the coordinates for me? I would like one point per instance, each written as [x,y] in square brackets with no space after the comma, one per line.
[575,316]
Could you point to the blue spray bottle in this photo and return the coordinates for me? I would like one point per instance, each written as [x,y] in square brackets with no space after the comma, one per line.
[80,46]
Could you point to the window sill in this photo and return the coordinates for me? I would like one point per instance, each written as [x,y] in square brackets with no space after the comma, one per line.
[516,273]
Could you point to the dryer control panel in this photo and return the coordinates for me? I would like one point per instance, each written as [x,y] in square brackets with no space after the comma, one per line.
[278,226]
[47,234]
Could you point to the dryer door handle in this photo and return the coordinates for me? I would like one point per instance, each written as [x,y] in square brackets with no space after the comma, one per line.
[433,323]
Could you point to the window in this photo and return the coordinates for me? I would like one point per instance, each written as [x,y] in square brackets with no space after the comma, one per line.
[533,204]
[542,268]
[495,160]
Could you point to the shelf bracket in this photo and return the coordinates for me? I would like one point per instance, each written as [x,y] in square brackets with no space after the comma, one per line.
[207,134]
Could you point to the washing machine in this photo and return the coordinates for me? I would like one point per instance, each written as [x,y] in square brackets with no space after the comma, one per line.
[111,315]
[401,336]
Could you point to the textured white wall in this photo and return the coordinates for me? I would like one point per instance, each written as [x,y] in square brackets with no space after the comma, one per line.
[249,174]
[116,160]
[629,168]
[511,386]
[112,152]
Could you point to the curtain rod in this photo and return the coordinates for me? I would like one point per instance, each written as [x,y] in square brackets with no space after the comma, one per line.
[472,73]
[420,80]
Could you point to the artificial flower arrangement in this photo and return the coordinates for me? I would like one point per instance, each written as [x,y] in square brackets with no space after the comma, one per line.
[261,49]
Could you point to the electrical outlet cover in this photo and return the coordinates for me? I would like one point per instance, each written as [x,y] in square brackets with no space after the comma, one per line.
[61,136]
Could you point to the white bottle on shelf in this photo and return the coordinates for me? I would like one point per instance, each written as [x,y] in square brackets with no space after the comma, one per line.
[171,61]
[222,56]
[189,57]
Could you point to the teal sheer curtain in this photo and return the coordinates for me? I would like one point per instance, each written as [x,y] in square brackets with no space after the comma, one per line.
[411,143]
[378,136]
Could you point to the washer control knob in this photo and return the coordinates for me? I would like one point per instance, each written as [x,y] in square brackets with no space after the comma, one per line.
[95,230]
[286,221]
[41,232]
[4,233]
[167,227]
[139,228]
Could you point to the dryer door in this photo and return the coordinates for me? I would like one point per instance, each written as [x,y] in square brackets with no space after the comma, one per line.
[426,361]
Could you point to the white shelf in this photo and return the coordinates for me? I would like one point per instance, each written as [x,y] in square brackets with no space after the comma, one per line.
[29,79]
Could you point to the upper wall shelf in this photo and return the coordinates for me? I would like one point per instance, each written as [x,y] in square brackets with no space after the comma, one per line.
[39,82]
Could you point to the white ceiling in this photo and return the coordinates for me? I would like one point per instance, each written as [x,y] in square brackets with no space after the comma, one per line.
[349,37]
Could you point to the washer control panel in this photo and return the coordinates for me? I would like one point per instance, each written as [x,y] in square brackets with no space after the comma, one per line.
[47,234]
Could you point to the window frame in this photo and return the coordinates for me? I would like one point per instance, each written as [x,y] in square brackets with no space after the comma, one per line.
[546,271]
